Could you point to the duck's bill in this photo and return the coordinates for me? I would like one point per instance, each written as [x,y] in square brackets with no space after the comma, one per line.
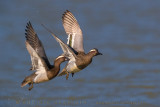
[99,54]
[66,59]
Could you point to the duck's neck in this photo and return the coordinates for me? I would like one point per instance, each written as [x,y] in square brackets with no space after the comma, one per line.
[80,53]
[55,70]
[90,54]
[57,64]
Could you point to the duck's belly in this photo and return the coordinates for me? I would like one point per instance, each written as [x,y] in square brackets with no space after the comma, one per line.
[72,68]
[41,78]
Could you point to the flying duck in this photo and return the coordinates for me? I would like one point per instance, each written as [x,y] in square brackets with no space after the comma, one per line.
[40,64]
[78,60]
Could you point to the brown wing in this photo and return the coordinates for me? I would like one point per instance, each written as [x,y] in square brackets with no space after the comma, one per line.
[73,30]
[33,40]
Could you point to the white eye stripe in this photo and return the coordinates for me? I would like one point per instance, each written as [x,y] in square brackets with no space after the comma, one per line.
[92,50]
[59,57]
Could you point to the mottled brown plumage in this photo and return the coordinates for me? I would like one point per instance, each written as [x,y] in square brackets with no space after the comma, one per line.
[74,51]
[75,41]
[44,71]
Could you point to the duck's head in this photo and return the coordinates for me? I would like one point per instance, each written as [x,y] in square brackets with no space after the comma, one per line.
[61,58]
[95,52]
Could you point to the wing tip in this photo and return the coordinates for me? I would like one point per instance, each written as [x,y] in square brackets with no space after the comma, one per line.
[28,24]
[28,27]
[65,13]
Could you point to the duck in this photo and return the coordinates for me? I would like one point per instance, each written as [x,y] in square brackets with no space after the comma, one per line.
[73,50]
[40,63]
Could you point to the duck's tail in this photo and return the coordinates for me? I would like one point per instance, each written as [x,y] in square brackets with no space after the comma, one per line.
[25,82]
[63,72]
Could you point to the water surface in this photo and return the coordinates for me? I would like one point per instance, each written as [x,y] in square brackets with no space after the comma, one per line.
[126,32]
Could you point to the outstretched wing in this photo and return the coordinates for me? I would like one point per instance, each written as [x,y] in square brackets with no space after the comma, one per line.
[39,63]
[34,42]
[67,50]
[73,30]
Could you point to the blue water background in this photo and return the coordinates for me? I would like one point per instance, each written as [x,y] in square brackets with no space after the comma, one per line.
[127,32]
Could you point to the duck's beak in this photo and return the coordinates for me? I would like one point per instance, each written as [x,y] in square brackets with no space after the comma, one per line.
[66,59]
[99,53]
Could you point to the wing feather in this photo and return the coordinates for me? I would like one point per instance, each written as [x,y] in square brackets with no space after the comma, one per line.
[67,50]
[72,27]
[39,63]
[36,44]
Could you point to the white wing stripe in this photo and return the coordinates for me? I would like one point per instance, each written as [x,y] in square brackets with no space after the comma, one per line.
[73,37]
[68,39]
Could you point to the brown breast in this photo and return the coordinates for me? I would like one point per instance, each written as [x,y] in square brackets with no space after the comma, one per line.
[83,60]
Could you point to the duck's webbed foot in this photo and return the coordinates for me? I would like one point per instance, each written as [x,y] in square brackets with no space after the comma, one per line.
[67,75]
[72,74]
[30,86]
